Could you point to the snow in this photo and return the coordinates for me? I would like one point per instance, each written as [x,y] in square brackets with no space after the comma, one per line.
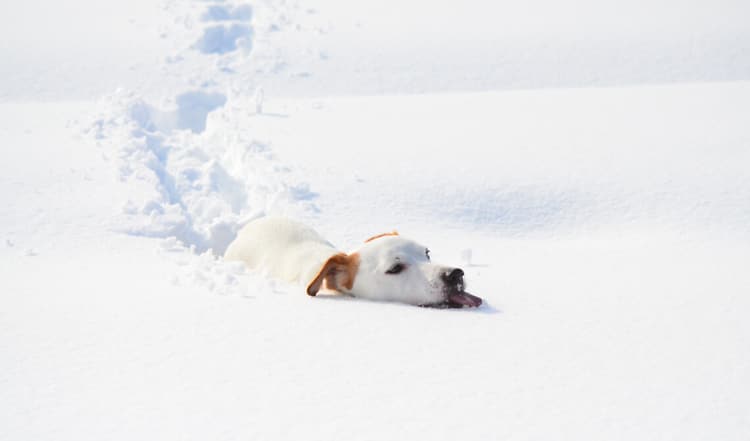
[522,162]
[605,227]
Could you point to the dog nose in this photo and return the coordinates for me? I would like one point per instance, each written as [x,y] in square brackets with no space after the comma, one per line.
[453,277]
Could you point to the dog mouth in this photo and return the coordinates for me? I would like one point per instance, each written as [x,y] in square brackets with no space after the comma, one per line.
[458,298]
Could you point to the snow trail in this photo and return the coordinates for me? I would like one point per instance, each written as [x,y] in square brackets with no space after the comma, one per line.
[199,172]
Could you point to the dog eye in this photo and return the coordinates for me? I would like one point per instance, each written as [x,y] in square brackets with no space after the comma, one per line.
[397,268]
[427,253]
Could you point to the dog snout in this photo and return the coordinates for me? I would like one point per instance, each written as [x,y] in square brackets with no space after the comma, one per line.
[453,276]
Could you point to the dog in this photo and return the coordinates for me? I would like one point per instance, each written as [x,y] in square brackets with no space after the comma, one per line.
[387,267]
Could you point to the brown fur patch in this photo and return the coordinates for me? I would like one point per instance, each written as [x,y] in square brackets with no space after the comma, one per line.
[338,271]
[392,233]
[352,267]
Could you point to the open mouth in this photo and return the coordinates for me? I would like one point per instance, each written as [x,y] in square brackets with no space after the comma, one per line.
[458,299]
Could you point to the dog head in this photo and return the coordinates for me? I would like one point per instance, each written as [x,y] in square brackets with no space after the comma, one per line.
[389,267]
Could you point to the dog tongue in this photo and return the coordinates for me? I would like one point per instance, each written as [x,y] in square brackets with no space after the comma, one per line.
[465,299]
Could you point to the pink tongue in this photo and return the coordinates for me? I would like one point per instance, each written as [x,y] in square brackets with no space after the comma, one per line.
[466,299]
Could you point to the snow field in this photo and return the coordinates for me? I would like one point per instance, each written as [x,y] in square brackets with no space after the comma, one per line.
[605,228]
[524,163]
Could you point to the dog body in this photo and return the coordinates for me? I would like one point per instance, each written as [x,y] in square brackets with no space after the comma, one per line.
[282,248]
[387,267]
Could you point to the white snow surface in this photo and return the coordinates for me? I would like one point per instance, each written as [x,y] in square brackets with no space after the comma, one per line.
[605,227]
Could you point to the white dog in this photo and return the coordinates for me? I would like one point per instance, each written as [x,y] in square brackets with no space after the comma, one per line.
[387,267]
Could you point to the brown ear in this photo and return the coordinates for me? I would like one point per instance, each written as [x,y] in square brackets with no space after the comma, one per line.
[328,269]
[339,270]
[392,233]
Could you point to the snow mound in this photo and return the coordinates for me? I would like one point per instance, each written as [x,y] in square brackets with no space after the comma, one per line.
[198,173]
[192,109]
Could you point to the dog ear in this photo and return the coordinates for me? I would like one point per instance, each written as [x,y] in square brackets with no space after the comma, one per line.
[339,269]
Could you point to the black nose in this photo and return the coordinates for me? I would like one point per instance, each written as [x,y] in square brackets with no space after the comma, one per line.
[453,277]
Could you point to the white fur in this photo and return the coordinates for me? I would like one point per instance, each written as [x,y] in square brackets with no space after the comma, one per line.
[419,284]
[295,253]
[284,249]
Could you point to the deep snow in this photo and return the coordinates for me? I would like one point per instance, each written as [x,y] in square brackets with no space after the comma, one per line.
[605,227]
